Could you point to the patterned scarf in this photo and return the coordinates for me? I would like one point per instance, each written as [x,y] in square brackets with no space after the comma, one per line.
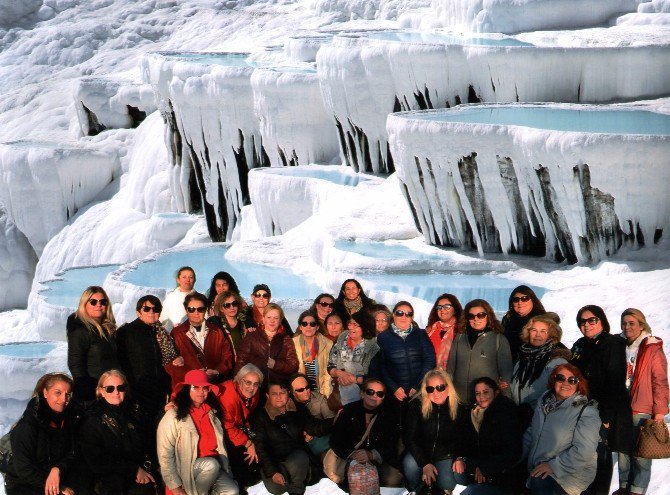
[353,306]
[168,350]
[477,416]
[402,333]
[551,403]
[447,332]
[309,353]
[532,361]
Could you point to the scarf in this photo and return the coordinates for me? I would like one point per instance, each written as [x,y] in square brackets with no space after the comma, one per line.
[165,343]
[477,416]
[473,335]
[532,361]
[631,357]
[309,353]
[402,333]
[447,332]
[551,403]
[353,306]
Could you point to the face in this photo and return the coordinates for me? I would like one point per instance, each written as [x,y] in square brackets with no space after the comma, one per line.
[324,307]
[484,395]
[195,311]
[230,307]
[260,299]
[308,326]
[478,318]
[351,291]
[249,385]
[538,334]
[334,326]
[402,317]
[58,396]
[277,396]
[300,389]
[381,322]
[590,325]
[96,306]
[220,286]
[373,401]
[630,327]
[436,395]
[115,397]
[564,389]
[445,310]
[148,313]
[186,280]
[272,320]
[355,330]
[521,304]
[198,394]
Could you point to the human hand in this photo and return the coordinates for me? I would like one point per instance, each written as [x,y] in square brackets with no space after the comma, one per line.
[479,477]
[143,477]
[178,361]
[279,479]
[271,363]
[211,372]
[542,470]
[52,485]
[429,474]
[400,394]
[67,491]
[606,425]
[250,455]
[169,405]
[659,418]
[179,491]
[360,455]
[345,378]
[412,391]
[503,384]
[307,436]
[458,466]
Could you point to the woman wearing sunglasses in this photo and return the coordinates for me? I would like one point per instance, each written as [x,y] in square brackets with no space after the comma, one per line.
[442,326]
[430,433]
[254,316]
[323,306]
[561,442]
[479,349]
[91,347]
[221,282]
[191,448]
[523,305]
[313,351]
[227,312]
[115,439]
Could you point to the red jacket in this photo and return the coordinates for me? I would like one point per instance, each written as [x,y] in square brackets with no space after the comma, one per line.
[236,413]
[256,349]
[218,354]
[649,388]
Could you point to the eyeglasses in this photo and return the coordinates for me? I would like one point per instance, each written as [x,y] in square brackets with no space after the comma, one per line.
[443,306]
[300,390]
[307,323]
[249,383]
[479,316]
[591,321]
[264,295]
[199,309]
[150,309]
[204,388]
[95,302]
[382,320]
[233,304]
[324,304]
[110,388]
[572,380]
[401,313]
[378,393]
[517,299]
[440,388]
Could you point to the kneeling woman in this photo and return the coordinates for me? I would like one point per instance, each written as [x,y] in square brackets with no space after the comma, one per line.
[430,433]
[191,452]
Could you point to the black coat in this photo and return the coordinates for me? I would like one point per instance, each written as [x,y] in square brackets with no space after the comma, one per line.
[603,362]
[512,325]
[88,357]
[433,439]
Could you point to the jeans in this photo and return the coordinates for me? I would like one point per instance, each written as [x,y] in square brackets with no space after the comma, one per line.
[413,473]
[295,469]
[210,478]
[483,489]
[546,486]
[635,472]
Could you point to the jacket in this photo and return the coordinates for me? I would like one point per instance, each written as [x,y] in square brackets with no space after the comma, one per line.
[236,413]
[342,358]
[256,348]
[649,386]
[240,331]
[404,362]
[567,439]
[490,356]
[325,345]
[535,389]
[250,322]
[177,442]
[88,356]
[317,406]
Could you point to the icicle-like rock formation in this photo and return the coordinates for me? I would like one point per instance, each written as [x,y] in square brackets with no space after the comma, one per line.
[570,182]
[304,47]
[17,264]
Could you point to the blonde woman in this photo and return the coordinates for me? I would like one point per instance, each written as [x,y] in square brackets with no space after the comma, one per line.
[431,433]
[91,347]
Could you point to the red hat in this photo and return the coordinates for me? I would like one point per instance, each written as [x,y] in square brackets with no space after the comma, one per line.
[197,378]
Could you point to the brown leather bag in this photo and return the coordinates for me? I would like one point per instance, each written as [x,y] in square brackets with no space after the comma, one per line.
[654,440]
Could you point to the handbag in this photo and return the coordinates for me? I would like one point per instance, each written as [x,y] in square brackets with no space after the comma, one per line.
[653,441]
[363,478]
[334,466]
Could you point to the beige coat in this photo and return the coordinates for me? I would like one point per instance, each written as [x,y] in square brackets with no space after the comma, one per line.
[177,442]
[325,345]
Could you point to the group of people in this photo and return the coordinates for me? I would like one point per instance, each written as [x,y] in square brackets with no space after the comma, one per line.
[206,393]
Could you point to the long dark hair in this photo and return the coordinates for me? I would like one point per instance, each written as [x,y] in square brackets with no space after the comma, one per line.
[182,402]
[226,277]
[597,312]
[492,322]
[366,321]
[453,300]
[538,308]
[339,302]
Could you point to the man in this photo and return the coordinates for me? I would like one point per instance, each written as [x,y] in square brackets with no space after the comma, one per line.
[315,404]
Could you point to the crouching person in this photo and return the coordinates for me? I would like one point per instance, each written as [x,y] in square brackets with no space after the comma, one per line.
[287,464]
[190,441]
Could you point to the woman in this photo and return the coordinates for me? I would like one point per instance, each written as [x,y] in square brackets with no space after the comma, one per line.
[490,445]
[43,460]
[173,306]
[430,434]
[227,311]
[191,451]
[382,316]
[647,383]
[313,351]
[601,357]
[351,356]
[523,304]
[323,306]
[334,326]
[144,348]
[253,316]
[270,349]
[406,354]
[541,351]
[221,282]
[561,442]
[91,348]
[351,298]
[114,440]
[442,325]
[479,349]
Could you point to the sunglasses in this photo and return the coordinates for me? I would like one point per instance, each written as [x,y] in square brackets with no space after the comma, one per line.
[591,321]
[401,313]
[517,299]
[307,323]
[233,304]
[572,380]
[440,388]
[200,309]
[264,295]
[378,393]
[150,309]
[443,306]
[95,302]
[301,389]
[110,388]
[479,316]
[326,304]
[249,383]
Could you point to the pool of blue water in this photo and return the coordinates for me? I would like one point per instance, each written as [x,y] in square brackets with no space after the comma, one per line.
[337,175]
[27,350]
[227,59]
[443,39]
[560,119]
[67,288]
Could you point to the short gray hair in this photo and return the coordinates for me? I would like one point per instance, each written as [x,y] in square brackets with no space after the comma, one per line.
[245,370]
